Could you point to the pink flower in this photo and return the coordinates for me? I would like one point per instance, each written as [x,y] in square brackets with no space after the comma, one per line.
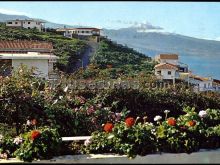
[90,110]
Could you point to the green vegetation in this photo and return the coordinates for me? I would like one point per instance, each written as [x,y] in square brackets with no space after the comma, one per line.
[69,50]
[121,59]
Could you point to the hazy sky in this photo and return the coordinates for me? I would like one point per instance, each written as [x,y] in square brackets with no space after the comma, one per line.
[196,19]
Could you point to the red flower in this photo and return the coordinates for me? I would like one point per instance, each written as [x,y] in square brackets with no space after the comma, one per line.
[130,122]
[192,123]
[35,134]
[108,127]
[34,122]
[171,122]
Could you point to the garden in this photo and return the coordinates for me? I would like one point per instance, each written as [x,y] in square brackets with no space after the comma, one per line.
[125,120]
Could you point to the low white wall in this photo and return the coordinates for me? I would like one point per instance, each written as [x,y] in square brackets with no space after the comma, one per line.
[203,156]
[40,64]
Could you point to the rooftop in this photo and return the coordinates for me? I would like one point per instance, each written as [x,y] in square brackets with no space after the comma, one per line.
[199,78]
[168,56]
[64,29]
[25,45]
[166,66]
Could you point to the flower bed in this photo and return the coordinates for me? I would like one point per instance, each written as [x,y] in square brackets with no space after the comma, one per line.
[186,135]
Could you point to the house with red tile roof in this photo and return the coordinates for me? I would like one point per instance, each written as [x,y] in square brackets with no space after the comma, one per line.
[166,71]
[36,54]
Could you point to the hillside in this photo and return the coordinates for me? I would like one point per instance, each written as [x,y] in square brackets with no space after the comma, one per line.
[69,50]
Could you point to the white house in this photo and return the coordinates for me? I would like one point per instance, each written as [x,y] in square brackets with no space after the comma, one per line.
[26,23]
[69,32]
[31,53]
[201,83]
[166,71]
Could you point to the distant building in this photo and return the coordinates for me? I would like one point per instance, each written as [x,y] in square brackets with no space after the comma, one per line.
[201,83]
[31,53]
[167,58]
[216,85]
[70,32]
[169,67]
[26,23]
[166,71]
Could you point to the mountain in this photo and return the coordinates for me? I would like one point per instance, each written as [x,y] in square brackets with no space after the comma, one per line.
[156,42]
[5,17]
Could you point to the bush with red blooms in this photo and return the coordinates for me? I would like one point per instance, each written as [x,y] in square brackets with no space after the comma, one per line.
[108,127]
[35,134]
[43,143]
[171,121]
[130,121]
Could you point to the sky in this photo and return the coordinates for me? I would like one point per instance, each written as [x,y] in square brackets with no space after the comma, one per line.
[195,19]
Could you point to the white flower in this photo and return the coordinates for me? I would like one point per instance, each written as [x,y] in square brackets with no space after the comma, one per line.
[166,111]
[55,101]
[60,97]
[87,142]
[157,118]
[18,140]
[202,113]
[65,89]
[28,122]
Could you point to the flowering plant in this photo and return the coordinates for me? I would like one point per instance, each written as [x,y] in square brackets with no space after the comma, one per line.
[39,144]
[127,137]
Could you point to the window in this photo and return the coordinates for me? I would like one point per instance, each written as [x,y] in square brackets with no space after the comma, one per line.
[9,22]
[29,28]
[204,85]
[159,72]
[16,22]
[29,22]
[169,72]
[82,31]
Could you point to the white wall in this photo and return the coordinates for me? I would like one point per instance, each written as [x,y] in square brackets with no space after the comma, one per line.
[164,73]
[40,64]
[32,25]
[13,24]
[202,85]
[25,24]
[175,62]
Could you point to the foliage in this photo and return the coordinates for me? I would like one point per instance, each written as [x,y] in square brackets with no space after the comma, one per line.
[20,97]
[43,143]
[118,58]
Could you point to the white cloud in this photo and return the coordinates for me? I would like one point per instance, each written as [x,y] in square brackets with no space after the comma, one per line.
[13,12]
[217,39]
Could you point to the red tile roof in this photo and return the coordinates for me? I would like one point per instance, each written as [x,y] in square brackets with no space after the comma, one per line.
[168,56]
[166,66]
[16,45]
